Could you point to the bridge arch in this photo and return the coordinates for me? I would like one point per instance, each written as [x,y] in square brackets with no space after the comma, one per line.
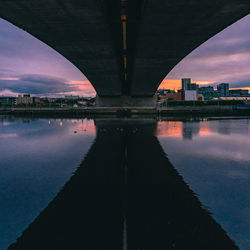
[91,34]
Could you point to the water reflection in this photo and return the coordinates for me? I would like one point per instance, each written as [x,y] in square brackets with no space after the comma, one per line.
[216,165]
[35,162]
[126,193]
[188,130]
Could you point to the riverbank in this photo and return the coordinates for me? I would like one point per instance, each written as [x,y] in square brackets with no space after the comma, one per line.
[228,110]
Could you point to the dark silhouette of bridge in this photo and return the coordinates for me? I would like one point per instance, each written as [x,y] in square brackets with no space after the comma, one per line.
[125,195]
[124,47]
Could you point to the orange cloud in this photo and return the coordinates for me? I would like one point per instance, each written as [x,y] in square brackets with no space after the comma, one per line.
[82,84]
[170,84]
[204,82]
[246,88]
[176,83]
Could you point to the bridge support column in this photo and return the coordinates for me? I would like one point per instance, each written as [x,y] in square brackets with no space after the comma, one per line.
[126,101]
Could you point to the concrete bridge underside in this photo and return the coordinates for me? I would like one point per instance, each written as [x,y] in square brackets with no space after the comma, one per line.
[124,47]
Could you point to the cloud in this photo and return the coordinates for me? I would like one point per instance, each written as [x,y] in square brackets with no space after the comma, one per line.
[223,58]
[38,85]
[44,85]
[22,53]
[29,66]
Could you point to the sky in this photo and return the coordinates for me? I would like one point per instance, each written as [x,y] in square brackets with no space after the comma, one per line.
[27,65]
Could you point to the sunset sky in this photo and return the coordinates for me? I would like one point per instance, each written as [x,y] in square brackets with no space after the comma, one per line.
[29,66]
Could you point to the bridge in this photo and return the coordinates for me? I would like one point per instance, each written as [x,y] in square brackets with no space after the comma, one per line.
[124,47]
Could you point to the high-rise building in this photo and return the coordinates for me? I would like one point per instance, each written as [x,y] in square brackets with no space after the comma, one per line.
[25,99]
[223,89]
[194,86]
[207,89]
[208,92]
[7,100]
[190,95]
[185,83]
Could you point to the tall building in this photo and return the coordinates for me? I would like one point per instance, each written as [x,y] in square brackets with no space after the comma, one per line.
[208,92]
[185,83]
[194,86]
[207,89]
[190,95]
[223,89]
[25,99]
[7,100]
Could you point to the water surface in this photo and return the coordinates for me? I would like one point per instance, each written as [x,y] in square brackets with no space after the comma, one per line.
[121,179]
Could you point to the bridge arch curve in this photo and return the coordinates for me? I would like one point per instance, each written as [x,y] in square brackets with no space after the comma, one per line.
[92,35]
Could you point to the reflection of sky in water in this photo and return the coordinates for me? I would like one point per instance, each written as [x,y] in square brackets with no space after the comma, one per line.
[214,159]
[37,158]
[39,155]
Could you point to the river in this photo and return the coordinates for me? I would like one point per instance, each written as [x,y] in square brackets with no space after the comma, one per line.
[124,183]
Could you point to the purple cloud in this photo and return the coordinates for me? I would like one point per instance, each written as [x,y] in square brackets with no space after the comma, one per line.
[223,58]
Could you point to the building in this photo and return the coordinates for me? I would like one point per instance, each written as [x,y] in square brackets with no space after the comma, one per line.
[185,83]
[164,91]
[241,98]
[8,100]
[207,89]
[238,92]
[36,100]
[175,96]
[190,95]
[25,99]
[72,97]
[194,86]
[208,92]
[223,89]
[200,97]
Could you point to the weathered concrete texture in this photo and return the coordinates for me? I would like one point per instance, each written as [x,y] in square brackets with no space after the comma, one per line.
[126,101]
[170,30]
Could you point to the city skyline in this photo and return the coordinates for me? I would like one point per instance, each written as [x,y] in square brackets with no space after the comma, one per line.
[29,66]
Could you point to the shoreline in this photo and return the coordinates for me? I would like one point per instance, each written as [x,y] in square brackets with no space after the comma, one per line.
[186,111]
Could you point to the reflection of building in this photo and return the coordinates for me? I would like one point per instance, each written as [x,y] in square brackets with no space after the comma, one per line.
[223,89]
[224,127]
[189,129]
[227,127]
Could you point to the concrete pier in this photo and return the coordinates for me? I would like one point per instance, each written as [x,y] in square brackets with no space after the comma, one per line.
[127,101]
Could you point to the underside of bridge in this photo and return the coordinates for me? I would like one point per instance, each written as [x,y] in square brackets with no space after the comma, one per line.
[124,47]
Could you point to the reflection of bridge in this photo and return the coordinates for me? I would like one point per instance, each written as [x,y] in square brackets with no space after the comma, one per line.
[125,191]
[125,47]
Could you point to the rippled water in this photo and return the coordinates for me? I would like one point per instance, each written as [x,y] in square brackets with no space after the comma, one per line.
[38,156]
